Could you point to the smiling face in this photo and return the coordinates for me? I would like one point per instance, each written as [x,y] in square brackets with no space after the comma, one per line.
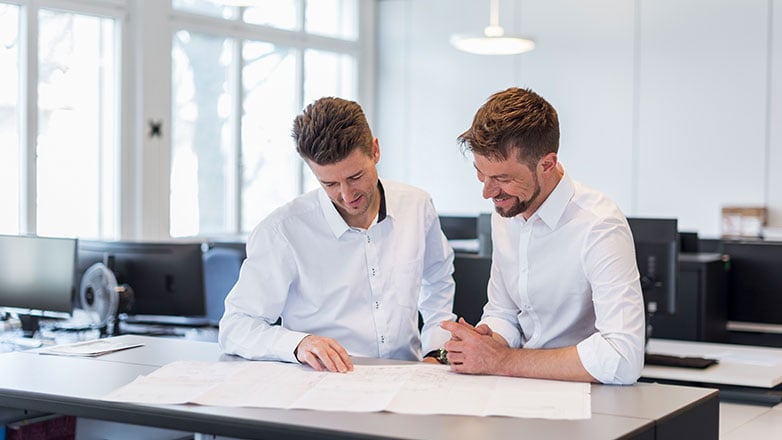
[351,184]
[512,185]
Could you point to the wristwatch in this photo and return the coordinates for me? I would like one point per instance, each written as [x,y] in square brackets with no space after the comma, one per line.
[440,354]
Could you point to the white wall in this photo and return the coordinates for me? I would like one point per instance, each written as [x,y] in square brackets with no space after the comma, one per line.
[669,106]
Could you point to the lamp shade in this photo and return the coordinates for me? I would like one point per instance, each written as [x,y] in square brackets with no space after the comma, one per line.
[486,45]
[493,41]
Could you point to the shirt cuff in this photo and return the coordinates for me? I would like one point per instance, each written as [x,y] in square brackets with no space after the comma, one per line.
[507,330]
[433,339]
[599,358]
[286,345]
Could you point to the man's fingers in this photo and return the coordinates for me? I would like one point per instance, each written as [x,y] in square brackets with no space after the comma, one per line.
[344,357]
[324,354]
[310,359]
[464,322]
[334,357]
[457,329]
[455,358]
[453,346]
[484,329]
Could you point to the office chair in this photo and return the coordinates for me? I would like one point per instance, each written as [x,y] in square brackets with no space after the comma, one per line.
[221,270]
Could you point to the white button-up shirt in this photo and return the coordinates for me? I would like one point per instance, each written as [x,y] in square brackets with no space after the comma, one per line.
[364,288]
[568,276]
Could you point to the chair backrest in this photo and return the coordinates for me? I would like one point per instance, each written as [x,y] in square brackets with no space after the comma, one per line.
[221,271]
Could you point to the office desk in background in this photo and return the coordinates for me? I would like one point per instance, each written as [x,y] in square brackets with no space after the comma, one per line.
[744,373]
[73,386]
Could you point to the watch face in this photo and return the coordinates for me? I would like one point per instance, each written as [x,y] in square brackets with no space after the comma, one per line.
[442,356]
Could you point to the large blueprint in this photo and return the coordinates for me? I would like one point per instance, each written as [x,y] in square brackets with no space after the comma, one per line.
[409,388]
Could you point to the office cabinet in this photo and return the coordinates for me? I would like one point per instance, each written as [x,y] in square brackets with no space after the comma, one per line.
[701,301]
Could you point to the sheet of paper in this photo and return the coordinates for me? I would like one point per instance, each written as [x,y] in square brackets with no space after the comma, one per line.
[89,348]
[409,389]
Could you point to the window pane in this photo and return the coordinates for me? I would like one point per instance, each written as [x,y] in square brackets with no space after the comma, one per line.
[77,173]
[10,146]
[270,164]
[202,161]
[213,8]
[276,13]
[333,18]
[327,74]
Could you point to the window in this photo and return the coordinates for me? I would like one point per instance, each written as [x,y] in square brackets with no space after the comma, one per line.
[59,158]
[239,79]
[10,139]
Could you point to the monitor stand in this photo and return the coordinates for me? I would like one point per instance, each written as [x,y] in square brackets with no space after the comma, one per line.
[30,325]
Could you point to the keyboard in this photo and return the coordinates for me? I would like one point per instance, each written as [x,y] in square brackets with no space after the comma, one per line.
[665,360]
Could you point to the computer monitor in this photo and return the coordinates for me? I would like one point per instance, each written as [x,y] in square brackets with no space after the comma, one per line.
[167,279]
[471,274]
[657,254]
[689,243]
[484,234]
[754,281]
[459,227]
[37,278]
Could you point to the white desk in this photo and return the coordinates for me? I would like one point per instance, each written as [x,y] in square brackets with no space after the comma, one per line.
[740,365]
[69,385]
[744,373]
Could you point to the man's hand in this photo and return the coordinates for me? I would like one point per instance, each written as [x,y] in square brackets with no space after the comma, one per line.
[323,353]
[475,350]
[482,329]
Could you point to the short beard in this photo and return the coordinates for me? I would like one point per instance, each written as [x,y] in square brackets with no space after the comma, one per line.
[520,205]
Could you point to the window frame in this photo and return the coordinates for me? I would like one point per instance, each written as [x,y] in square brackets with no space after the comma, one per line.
[28,84]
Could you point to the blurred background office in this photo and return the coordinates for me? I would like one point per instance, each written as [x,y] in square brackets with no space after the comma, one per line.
[151,120]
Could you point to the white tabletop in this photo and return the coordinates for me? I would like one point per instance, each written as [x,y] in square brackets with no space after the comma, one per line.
[741,365]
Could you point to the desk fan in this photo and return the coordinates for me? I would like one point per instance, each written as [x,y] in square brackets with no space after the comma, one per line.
[99,295]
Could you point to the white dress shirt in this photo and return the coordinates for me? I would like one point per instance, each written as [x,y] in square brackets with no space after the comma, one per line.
[568,276]
[364,288]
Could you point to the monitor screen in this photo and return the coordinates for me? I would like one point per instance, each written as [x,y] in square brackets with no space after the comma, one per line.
[657,254]
[471,274]
[167,279]
[459,227]
[754,281]
[37,275]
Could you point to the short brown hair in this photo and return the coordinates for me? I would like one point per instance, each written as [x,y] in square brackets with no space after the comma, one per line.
[329,129]
[514,120]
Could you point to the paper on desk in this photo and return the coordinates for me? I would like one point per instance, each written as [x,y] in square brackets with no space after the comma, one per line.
[409,389]
[89,348]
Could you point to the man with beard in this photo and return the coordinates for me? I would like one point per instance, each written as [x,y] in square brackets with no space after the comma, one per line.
[347,267]
[564,297]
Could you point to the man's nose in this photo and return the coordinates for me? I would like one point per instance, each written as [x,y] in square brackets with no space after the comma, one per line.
[489,189]
[346,191]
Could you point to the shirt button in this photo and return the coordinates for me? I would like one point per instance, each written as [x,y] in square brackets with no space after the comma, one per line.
[382,339]
[369,239]
[373,271]
[377,305]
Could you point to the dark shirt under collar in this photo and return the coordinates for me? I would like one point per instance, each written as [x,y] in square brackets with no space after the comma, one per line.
[381,213]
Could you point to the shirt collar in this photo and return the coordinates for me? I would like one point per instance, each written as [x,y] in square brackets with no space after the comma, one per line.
[554,206]
[335,221]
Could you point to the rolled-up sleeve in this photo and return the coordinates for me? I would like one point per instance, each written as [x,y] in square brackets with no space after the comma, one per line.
[615,353]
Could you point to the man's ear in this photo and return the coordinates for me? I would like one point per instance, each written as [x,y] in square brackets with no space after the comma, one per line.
[376,150]
[548,162]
